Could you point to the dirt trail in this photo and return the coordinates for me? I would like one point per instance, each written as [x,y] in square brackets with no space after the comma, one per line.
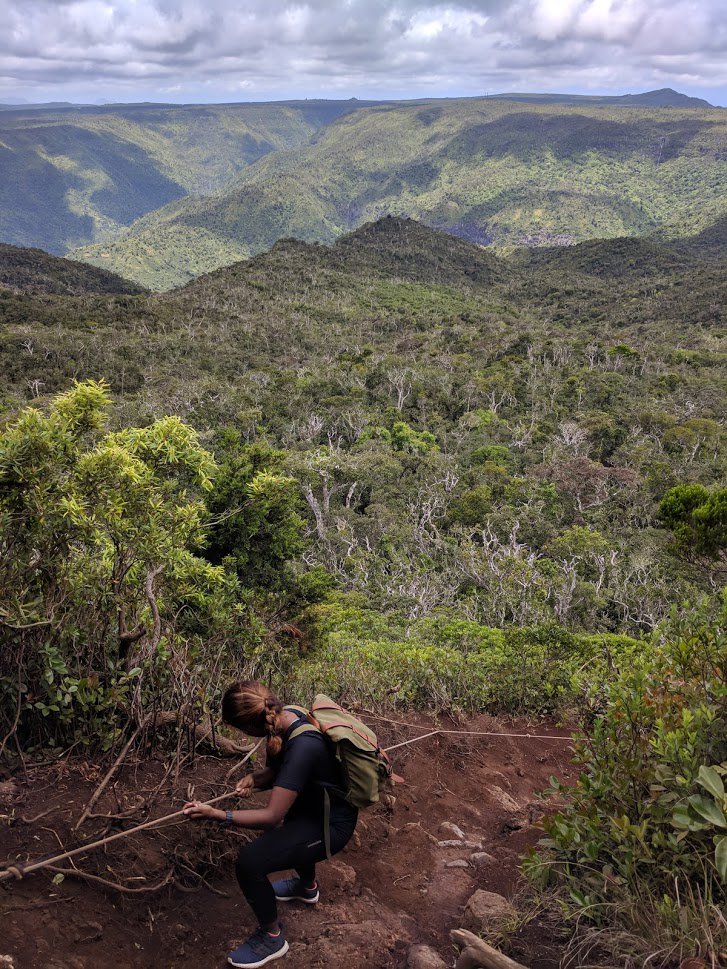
[391,888]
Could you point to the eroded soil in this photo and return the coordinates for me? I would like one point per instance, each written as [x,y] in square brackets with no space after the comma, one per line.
[391,888]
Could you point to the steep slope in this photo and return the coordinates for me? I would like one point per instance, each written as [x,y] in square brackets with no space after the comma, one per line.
[392,283]
[443,409]
[72,175]
[610,259]
[491,171]
[34,271]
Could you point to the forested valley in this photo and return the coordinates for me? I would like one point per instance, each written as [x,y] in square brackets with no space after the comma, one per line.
[413,474]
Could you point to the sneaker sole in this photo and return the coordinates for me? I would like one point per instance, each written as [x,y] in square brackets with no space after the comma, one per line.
[298,898]
[254,965]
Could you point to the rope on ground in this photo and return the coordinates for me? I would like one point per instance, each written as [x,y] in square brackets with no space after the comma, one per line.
[463,733]
[19,871]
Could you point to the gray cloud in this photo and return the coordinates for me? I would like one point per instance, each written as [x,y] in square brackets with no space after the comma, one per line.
[233,50]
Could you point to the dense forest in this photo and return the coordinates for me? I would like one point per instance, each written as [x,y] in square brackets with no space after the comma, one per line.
[162,193]
[494,171]
[72,175]
[410,472]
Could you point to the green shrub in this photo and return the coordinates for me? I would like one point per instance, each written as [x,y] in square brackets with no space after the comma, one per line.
[104,605]
[444,662]
[645,826]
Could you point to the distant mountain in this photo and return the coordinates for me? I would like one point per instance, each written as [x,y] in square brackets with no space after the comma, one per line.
[37,272]
[71,175]
[609,258]
[663,98]
[493,172]
[326,324]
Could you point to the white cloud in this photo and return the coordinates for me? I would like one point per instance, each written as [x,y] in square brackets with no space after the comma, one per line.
[147,48]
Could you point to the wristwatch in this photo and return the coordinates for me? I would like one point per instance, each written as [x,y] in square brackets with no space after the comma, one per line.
[228,819]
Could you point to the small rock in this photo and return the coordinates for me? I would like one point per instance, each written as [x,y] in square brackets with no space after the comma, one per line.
[424,957]
[459,863]
[7,962]
[503,799]
[535,812]
[411,825]
[8,790]
[482,858]
[452,829]
[693,963]
[485,909]
[90,932]
[344,874]
[515,823]
[458,844]
[416,828]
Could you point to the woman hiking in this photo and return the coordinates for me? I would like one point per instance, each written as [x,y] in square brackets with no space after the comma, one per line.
[297,769]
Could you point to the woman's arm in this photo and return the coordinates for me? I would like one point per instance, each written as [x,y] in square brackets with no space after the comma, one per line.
[258,780]
[281,800]
[263,779]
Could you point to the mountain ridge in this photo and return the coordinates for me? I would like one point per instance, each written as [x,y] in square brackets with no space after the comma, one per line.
[494,172]
[34,271]
[71,175]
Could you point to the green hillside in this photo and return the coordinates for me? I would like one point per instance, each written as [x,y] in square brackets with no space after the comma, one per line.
[417,474]
[34,271]
[73,175]
[463,428]
[494,172]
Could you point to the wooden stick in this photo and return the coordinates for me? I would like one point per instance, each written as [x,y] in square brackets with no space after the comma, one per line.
[102,786]
[19,871]
[478,954]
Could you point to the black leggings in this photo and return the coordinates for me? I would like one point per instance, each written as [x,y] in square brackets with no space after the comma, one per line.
[298,844]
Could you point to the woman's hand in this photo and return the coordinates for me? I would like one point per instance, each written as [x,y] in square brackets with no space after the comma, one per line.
[245,787]
[196,809]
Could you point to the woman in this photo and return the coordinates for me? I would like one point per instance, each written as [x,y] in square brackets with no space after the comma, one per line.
[297,769]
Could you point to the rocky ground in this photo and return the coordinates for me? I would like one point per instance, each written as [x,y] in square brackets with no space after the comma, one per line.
[415,870]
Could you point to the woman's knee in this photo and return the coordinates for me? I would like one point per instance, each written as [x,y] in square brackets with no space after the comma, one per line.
[249,866]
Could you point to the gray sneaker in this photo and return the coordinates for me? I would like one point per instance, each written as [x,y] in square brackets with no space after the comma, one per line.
[259,949]
[293,890]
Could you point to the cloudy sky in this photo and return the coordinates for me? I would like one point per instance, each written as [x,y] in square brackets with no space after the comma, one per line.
[239,50]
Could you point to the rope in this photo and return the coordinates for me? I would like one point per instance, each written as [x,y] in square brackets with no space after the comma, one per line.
[405,743]
[471,733]
[19,871]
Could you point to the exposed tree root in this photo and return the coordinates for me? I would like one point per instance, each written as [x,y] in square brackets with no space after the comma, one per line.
[97,880]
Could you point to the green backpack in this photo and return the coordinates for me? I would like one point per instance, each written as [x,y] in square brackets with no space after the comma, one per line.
[365,768]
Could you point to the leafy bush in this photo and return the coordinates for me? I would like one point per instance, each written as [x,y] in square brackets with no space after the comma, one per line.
[104,605]
[444,662]
[645,826]
[698,518]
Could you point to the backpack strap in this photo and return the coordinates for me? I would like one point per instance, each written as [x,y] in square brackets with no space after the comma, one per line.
[303,728]
[301,711]
[327,822]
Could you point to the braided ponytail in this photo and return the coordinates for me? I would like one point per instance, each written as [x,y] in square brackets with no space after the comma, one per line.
[253,708]
[273,709]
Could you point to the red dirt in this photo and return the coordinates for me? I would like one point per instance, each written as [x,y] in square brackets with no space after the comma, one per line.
[390,889]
